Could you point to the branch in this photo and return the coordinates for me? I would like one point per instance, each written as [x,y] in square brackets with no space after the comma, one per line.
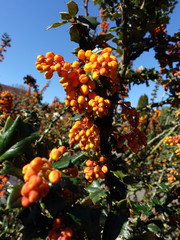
[86,7]
[152,105]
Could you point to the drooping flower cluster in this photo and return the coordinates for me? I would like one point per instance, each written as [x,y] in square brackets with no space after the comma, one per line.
[37,174]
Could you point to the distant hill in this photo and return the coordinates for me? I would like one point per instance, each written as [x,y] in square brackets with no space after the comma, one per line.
[14,90]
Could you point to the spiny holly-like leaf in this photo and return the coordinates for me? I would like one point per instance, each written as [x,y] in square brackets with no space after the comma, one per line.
[65,15]
[17,149]
[14,198]
[96,191]
[10,169]
[67,162]
[58,24]
[74,34]
[72,8]
[88,21]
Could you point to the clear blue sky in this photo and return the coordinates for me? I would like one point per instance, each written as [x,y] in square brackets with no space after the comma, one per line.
[26,22]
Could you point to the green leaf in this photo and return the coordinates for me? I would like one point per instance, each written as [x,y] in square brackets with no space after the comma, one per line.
[17,149]
[7,125]
[125,231]
[104,37]
[119,174]
[88,21]
[67,162]
[58,24]
[140,208]
[153,228]
[72,8]
[74,34]
[65,15]
[163,188]
[96,191]
[95,2]
[14,198]
[10,169]
[9,136]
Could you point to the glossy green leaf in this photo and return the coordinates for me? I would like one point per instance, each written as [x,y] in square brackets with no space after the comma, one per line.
[88,21]
[10,169]
[72,8]
[7,125]
[14,198]
[153,228]
[65,15]
[67,162]
[58,24]
[10,135]
[96,191]
[18,148]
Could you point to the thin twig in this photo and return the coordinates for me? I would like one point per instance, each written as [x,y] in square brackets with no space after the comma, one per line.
[86,7]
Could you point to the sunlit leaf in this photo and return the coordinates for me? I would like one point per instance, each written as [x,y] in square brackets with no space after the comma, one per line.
[96,191]
[153,228]
[72,8]
[65,15]
[17,149]
[58,24]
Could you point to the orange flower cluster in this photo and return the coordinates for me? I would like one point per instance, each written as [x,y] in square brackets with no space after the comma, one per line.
[95,169]
[36,176]
[158,31]
[6,101]
[79,78]
[135,138]
[72,172]
[171,177]
[172,140]
[3,180]
[59,231]
[57,152]
[86,134]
